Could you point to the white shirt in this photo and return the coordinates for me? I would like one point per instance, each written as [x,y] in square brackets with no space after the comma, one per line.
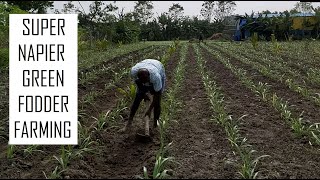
[156,71]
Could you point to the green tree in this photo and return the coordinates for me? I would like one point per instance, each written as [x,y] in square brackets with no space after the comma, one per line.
[224,9]
[294,11]
[266,12]
[317,25]
[39,7]
[70,8]
[207,10]
[176,11]
[5,10]
[304,7]
[99,22]
[143,11]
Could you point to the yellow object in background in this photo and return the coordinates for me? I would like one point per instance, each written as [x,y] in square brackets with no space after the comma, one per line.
[297,22]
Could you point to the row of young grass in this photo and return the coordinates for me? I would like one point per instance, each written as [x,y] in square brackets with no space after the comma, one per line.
[276,62]
[104,120]
[127,95]
[305,51]
[306,59]
[296,51]
[4,103]
[85,138]
[90,97]
[170,104]
[269,71]
[90,76]
[67,153]
[89,58]
[239,144]
[300,128]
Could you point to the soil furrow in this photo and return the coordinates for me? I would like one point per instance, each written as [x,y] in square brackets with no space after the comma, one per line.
[297,102]
[265,129]
[107,97]
[199,145]
[121,156]
[119,153]
[300,77]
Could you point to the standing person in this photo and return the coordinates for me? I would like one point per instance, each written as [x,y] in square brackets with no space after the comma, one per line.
[200,37]
[149,77]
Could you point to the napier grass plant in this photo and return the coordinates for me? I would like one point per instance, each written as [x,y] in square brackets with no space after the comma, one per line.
[11,151]
[31,149]
[64,157]
[55,174]
[254,40]
[275,69]
[169,108]
[101,121]
[296,123]
[275,45]
[247,167]
[159,171]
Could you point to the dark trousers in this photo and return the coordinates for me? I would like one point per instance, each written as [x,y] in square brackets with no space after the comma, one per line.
[141,94]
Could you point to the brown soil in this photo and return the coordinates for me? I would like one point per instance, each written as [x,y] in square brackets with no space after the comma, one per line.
[115,59]
[107,98]
[116,155]
[301,77]
[296,101]
[121,155]
[290,157]
[199,146]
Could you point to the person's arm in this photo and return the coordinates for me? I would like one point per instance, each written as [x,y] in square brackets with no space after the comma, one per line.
[135,105]
[157,86]
[136,102]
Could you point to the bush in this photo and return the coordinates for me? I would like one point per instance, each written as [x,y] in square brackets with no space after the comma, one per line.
[126,32]
[102,44]
[83,45]
[4,58]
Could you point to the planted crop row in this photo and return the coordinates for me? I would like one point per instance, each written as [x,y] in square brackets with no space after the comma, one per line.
[305,58]
[261,90]
[305,51]
[93,74]
[128,94]
[88,59]
[86,142]
[90,97]
[103,120]
[169,107]
[275,61]
[4,103]
[238,143]
[290,82]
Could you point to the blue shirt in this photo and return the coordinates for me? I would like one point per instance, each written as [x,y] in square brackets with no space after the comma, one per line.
[156,71]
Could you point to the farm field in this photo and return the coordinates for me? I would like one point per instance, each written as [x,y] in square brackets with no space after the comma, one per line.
[229,111]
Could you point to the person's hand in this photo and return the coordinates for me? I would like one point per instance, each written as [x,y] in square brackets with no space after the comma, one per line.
[149,95]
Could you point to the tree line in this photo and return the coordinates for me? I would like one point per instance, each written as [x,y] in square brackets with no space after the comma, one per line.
[105,23]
